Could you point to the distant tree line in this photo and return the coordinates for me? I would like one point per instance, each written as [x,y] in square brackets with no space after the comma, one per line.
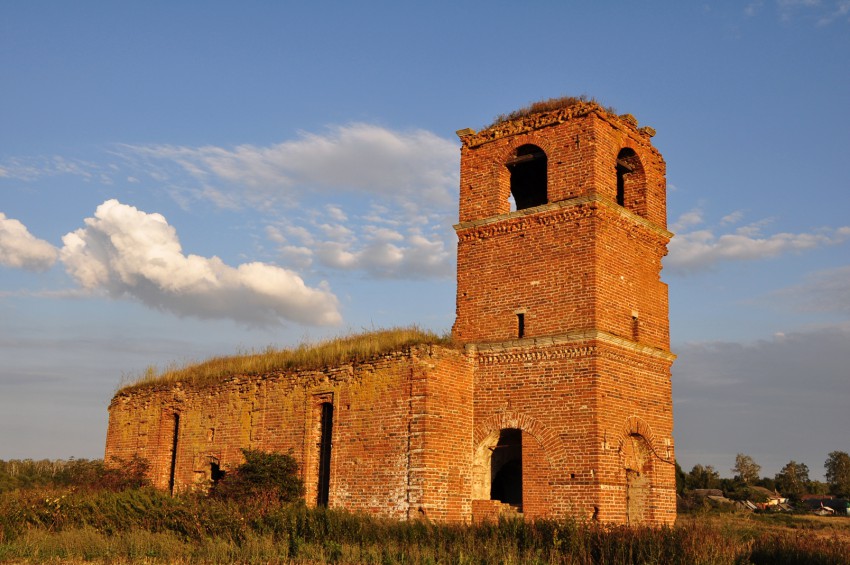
[792,481]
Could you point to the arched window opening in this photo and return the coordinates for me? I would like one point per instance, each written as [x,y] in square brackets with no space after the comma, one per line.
[631,181]
[625,166]
[528,177]
[506,468]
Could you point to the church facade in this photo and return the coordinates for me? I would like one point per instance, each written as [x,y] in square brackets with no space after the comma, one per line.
[555,401]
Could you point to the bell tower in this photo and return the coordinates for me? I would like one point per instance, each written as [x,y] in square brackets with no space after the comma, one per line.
[559,299]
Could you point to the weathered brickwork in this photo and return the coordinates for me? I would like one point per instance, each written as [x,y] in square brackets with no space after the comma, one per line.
[400,424]
[558,402]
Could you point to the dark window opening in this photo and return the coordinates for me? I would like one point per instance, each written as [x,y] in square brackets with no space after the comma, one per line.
[528,177]
[216,474]
[628,163]
[173,469]
[506,468]
[623,169]
[520,323]
[325,454]
[635,328]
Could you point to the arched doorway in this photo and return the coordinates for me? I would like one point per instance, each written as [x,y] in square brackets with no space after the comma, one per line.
[506,468]
[497,468]
[637,463]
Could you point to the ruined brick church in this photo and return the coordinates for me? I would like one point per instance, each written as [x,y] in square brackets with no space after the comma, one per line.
[557,400]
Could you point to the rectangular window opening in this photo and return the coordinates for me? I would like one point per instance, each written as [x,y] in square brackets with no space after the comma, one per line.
[326,433]
[520,319]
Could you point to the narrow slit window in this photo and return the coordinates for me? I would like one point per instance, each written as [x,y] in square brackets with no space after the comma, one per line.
[173,470]
[520,325]
[635,328]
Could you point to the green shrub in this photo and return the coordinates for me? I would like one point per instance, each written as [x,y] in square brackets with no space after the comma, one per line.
[265,477]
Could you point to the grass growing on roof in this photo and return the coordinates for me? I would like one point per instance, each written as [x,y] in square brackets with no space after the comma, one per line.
[547,106]
[336,351]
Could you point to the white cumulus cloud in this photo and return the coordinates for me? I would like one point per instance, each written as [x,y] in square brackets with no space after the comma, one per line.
[702,249]
[22,250]
[128,252]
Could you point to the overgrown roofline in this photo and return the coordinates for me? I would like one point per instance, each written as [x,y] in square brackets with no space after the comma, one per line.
[305,357]
[548,105]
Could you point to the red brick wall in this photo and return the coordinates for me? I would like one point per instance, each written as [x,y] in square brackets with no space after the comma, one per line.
[383,409]
[446,420]
[592,367]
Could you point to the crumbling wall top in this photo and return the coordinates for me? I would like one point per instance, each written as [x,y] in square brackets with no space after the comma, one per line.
[529,119]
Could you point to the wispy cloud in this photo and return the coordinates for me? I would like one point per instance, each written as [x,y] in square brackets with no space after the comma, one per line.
[359,158]
[378,243]
[34,168]
[753,8]
[824,291]
[22,250]
[331,197]
[818,12]
[128,252]
[841,10]
[702,249]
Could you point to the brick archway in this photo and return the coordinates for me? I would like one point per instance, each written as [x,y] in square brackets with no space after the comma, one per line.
[514,419]
[637,426]
[501,178]
[546,446]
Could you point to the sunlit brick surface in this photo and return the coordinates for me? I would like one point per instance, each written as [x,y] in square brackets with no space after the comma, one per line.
[563,320]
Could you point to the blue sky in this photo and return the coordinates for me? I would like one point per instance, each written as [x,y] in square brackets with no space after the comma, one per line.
[181,180]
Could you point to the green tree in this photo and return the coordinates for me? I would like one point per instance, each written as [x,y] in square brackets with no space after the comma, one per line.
[837,467]
[702,477]
[793,480]
[746,470]
[681,478]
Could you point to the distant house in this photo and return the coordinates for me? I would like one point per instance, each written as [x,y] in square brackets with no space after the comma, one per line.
[773,497]
[826,505]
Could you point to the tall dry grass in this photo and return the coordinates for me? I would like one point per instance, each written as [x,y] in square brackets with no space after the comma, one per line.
[145,525]
[336,351]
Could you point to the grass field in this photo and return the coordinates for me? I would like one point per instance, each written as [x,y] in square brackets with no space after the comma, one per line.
[142,525]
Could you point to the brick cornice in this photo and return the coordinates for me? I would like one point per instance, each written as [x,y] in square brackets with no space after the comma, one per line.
[551,213]
[562,346]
